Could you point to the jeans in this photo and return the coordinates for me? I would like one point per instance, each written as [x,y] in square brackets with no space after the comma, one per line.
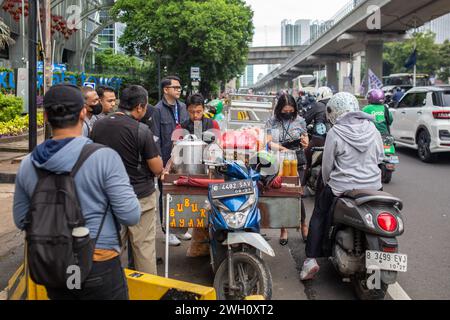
[319,224]
[106,281]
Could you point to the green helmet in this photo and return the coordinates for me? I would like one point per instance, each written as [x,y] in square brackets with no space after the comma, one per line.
[218,104]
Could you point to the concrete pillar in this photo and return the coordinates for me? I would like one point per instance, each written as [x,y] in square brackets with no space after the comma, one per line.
[332,78]
[357,62]
[343,74]
[374,57]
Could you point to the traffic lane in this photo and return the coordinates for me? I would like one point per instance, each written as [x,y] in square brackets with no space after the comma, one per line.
[328,284]
[425,191]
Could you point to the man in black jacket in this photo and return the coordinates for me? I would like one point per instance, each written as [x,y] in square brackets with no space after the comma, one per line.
[316,114]
[168,115]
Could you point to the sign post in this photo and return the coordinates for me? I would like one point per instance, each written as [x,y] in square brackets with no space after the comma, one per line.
[195,77]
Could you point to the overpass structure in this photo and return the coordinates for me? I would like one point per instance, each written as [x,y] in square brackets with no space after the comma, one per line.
[272,55]
[361,26]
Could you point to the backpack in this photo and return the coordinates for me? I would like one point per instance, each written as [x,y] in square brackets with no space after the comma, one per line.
[52,251]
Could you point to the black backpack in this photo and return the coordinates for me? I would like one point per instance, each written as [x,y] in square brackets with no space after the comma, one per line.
[54,212]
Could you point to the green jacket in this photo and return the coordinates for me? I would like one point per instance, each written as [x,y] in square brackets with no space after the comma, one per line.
[380,120]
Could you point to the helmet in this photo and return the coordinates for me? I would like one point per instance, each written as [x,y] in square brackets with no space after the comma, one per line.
[324,93]
[340,104]
[376,96]
[265,163]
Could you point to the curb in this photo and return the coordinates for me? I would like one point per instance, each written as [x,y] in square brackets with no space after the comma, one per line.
[22,137]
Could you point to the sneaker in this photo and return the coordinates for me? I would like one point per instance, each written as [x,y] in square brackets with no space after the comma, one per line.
[185,237]
[173,240]
[309,269]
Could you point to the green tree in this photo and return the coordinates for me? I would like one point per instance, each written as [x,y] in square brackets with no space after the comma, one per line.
[109,59]
[444,54]
[211,34]
[428,60]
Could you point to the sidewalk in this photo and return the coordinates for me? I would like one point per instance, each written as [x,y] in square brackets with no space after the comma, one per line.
[11,153]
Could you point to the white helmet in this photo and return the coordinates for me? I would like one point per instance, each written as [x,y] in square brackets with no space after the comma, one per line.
[340,104]
[324,93]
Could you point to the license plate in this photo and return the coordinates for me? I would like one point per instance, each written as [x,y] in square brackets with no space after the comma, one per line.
[231,189]
[393,160]
[386,261]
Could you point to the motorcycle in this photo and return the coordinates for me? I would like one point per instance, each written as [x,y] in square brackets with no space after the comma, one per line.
[236,245]
[363,241]
[390,159]
[313,173]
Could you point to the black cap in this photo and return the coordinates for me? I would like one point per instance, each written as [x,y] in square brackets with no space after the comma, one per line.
[64,98]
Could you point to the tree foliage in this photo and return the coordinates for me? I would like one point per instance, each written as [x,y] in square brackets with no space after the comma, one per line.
[444,55]
[5,35]
[432,58]
[211,34]
[109,58]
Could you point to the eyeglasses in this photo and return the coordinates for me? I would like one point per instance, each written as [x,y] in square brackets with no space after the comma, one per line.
[175,88]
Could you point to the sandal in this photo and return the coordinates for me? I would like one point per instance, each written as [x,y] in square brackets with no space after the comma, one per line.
[284,242]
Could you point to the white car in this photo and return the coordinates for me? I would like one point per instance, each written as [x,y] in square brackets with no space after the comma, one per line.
[422,121]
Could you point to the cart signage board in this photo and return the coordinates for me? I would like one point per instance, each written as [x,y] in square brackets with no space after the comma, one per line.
[188,212]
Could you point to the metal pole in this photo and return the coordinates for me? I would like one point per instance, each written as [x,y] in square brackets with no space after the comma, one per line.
[23,32]
[166,269]
[32,75]
[48,72]
[159,77]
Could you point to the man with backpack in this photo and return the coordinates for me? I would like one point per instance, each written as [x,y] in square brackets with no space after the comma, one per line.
[70,197]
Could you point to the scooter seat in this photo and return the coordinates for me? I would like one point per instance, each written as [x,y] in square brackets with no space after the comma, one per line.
[364,196]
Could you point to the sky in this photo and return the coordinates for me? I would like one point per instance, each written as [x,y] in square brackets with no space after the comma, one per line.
[268,15]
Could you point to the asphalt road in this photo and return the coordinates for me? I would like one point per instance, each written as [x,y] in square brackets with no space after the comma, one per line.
[425,190]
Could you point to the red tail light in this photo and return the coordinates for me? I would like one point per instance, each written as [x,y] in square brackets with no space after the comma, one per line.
[387,222]
[390,249]
[441,114]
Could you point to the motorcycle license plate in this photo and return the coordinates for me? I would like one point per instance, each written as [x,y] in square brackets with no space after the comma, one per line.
[386,261]
[393,160]
[231,189]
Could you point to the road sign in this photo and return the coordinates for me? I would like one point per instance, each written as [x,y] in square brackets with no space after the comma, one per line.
[195,73]
[22,87]
[89,84]
[195,83]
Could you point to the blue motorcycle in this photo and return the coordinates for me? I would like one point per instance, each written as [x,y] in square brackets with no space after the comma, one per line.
[236,245]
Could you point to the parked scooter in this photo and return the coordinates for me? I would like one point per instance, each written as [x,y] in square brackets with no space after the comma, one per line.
[315,170]
[363,243]
[390,159]
[236,245]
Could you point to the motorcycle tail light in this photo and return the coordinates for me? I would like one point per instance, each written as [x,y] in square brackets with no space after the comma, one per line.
[387,221]
[390,249]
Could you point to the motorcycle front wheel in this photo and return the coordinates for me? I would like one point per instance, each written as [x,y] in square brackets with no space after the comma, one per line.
[251,276]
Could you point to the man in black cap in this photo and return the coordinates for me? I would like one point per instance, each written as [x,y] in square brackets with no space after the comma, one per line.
[100,181]
[134,141]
